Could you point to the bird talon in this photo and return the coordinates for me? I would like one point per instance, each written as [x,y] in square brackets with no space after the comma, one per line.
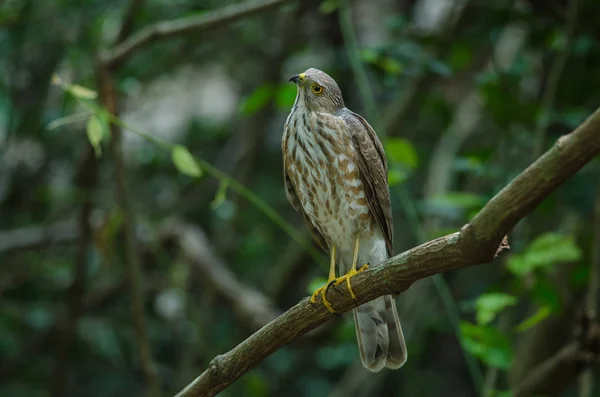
[332,284]
[346,278]
[322,291]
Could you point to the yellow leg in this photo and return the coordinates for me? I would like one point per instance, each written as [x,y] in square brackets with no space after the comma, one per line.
[352,272]
[330,280]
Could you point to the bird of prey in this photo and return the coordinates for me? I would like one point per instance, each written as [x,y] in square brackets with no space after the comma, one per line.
[335,173]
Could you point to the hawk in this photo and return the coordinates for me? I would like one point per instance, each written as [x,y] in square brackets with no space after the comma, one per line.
[335,173]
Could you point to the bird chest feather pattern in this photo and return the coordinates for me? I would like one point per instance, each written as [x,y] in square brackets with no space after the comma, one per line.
[335,174]
[321,166]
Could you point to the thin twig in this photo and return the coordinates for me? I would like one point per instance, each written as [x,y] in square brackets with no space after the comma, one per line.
[86,178]
[127,24]
[108,98]
[476,243]
[31,237]
[586,382]
[181,26]
[556,70]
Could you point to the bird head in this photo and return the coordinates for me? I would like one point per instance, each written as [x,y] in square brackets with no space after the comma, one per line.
[318,91]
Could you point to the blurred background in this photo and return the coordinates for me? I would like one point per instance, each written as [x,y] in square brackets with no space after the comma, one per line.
[124,272]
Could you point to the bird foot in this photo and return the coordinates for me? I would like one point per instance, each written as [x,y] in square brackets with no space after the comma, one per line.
[323,291]
[346,278]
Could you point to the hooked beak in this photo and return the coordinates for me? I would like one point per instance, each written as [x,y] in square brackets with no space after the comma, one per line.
[298,79]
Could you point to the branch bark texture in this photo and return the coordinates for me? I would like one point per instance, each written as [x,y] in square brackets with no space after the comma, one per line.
[476,243]
[179,27]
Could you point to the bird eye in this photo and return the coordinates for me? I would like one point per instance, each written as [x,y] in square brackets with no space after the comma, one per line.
[317,89]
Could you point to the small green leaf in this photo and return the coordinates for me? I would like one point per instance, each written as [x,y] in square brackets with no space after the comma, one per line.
[221,195]
[329,6]
[542,313]
[546,250]
[396,176]
[185,162]
[257,100]
[82,92]
[461,200]
[369,55]
[488,344]
[401,151]
[95,133]
[489,305]
[285,96]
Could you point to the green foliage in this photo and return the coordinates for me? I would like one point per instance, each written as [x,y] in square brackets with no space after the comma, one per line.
[540,315]
[285,96]
[457,200]
[489,305]
[101,337]
[257,100]
[329,6]
[413,80]
[95,133]
[185,162]
[221,195]
[315,284]
[487,343]
[546,250]
[401,151]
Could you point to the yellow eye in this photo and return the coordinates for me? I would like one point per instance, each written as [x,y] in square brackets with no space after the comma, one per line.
[317,89]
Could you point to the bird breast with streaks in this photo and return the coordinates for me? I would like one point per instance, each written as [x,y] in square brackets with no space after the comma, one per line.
[326,178]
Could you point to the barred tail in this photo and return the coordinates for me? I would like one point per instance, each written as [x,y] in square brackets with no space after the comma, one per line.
[379,334]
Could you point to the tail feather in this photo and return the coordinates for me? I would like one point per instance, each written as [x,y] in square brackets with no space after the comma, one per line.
[379,334]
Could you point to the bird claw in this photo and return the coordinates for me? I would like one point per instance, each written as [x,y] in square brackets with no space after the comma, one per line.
[323,291]
[346,277]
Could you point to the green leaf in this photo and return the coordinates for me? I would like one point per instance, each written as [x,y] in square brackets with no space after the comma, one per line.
[101,337]
[221,195]
[95,133]
[185,162]
[489,305]
[257,100]
[256,384]
[546,250]
[542,313]
[460,200]
[396,176]
[546,293]
[285,96]
[401,151]
[82,92]
[329,6]
[488,344]
[391,66]
[369,55]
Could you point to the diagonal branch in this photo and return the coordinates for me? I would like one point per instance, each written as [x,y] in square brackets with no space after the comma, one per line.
[181,26]
[474,244]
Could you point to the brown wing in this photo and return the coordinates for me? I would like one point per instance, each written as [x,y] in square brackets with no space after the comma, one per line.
[292,197]
[373,173]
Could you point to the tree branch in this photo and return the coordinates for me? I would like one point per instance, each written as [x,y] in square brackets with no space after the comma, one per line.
[85,180]
[586,382]
[108,98]
[181,26]
[127,24]
[252,306]
[475,243]
[557,373]
[31,237]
